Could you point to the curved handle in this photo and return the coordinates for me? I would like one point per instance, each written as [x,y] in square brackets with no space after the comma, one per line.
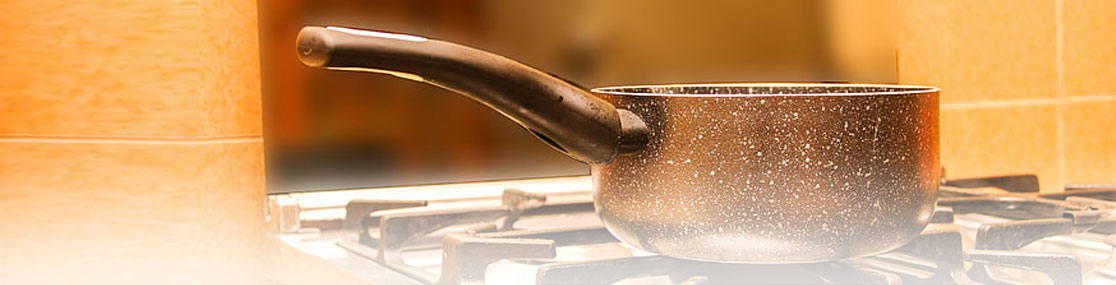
[565,116]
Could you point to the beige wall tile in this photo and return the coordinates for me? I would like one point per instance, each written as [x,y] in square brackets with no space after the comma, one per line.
[1089,39]
[1090,141]
[230,76]
[993,141]
[979,50]
[130,213]
[129,68]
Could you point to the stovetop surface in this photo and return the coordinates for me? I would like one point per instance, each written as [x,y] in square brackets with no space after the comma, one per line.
[985,230]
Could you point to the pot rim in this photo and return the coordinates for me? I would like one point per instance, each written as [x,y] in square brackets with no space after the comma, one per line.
[657,90]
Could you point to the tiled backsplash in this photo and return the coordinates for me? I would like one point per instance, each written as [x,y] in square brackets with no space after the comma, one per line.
[1028,86]
[130,145]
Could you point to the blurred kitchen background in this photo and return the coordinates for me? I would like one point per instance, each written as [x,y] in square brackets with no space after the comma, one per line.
[132,144]
[332,130]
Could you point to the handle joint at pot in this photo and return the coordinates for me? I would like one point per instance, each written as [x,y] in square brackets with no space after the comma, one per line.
[634,134]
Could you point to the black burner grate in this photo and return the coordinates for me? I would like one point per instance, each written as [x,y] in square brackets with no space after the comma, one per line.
[385,230]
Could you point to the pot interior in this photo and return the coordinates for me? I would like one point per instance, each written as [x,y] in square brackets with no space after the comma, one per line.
[763,89]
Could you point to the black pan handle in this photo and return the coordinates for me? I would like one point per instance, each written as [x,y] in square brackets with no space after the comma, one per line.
[563,115]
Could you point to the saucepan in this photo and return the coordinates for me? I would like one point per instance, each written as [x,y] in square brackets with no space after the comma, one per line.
[727,172]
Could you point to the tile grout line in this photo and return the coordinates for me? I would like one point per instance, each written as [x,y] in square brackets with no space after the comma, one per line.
[1027,102]
[130,140]
[139,138]
[1059,111]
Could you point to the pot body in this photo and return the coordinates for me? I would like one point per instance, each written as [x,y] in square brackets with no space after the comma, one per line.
[773,178]
[765,173]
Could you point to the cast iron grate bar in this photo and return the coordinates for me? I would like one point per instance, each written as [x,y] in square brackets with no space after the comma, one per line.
[1020,183]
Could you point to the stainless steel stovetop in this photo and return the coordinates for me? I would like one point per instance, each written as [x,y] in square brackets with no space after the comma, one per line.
[985,230]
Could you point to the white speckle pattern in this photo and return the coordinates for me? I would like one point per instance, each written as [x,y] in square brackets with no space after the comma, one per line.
[762,179]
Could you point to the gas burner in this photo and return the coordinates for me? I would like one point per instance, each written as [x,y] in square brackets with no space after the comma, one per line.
[985,230]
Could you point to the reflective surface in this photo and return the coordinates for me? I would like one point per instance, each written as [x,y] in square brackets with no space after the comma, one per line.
[771,174]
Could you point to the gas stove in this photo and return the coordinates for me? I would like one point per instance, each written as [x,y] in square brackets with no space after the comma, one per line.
[544,231]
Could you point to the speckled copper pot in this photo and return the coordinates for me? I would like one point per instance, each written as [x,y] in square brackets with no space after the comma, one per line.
[773,173]
[762,173]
